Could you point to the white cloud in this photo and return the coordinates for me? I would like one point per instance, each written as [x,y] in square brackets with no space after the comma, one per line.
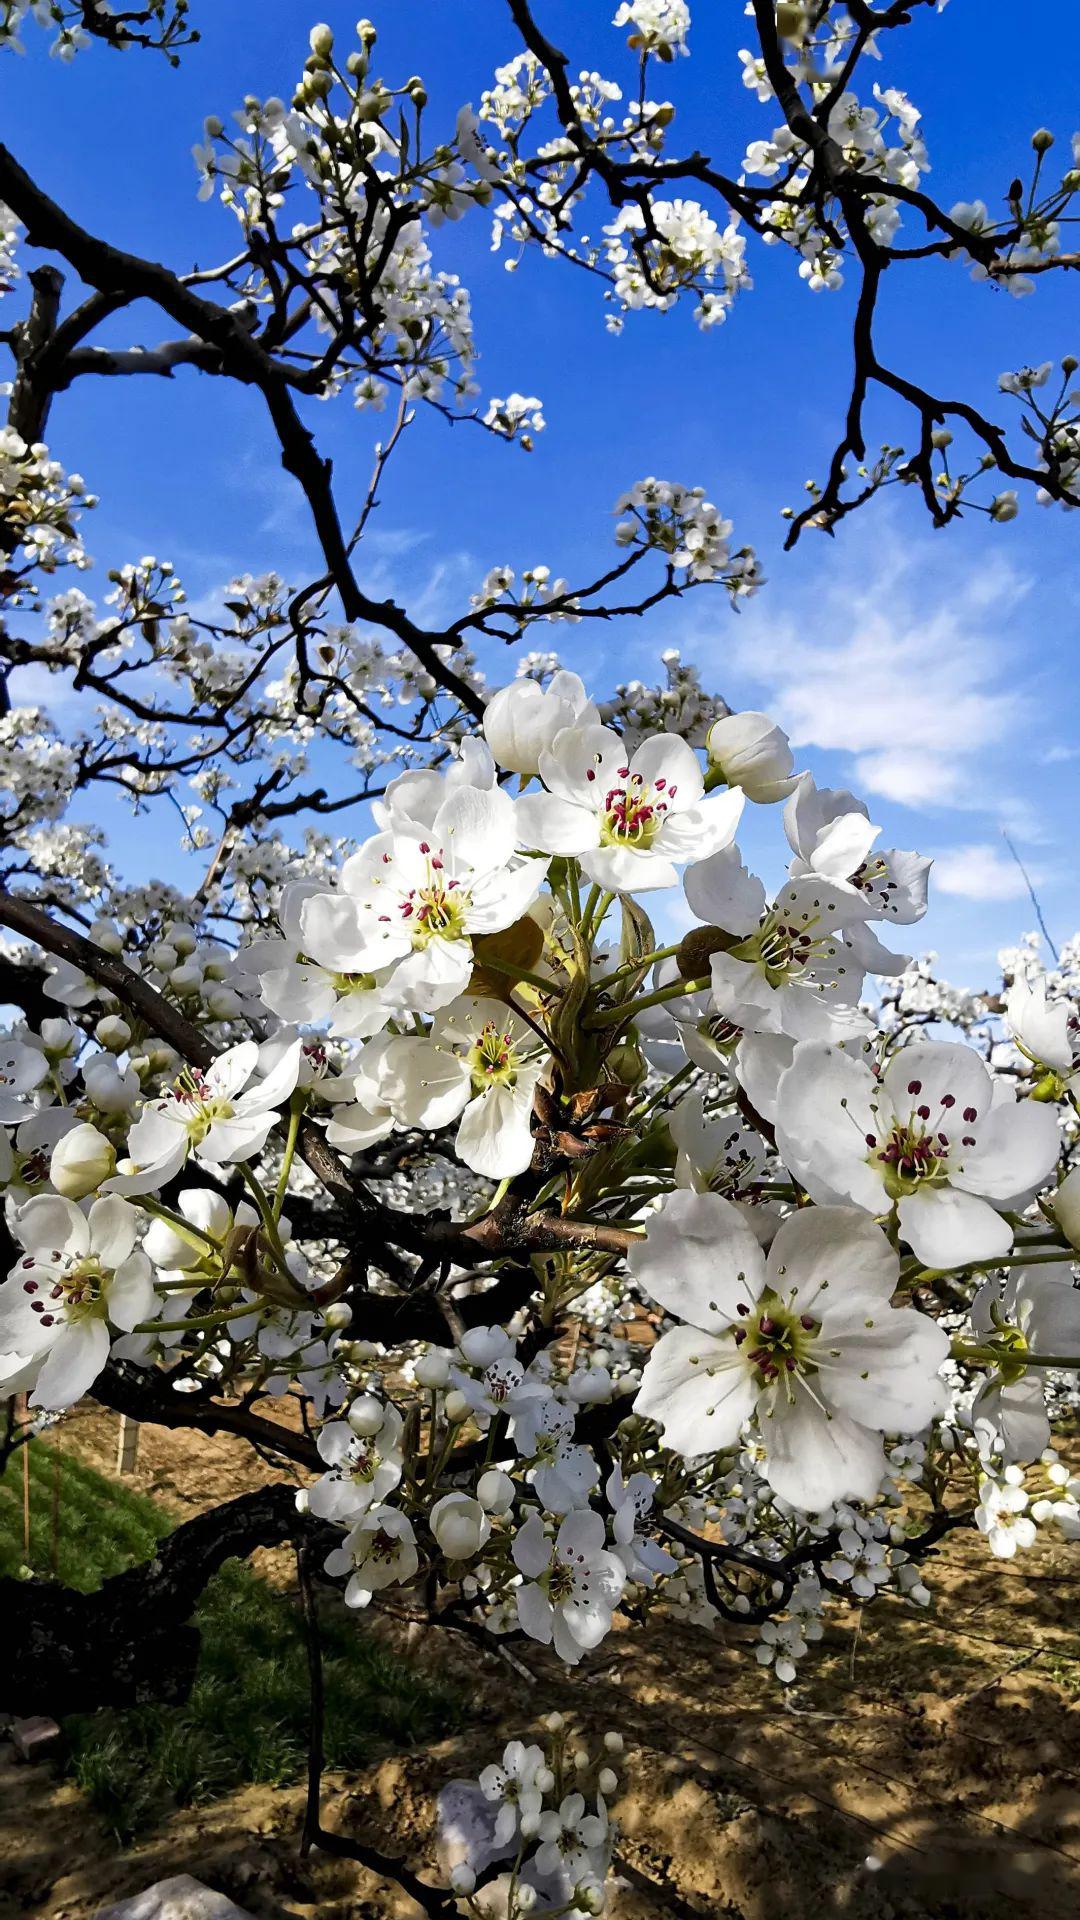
[892,653]
[980,872]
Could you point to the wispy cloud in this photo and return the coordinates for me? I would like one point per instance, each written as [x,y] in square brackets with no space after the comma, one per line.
[981,872]
[893,654]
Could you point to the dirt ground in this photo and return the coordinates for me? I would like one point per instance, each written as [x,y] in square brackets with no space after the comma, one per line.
[927,1768]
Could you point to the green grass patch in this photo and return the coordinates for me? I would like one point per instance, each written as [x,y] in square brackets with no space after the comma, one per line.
[246,1719]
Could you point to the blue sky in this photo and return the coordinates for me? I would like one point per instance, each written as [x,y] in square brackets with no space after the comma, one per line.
[932,672]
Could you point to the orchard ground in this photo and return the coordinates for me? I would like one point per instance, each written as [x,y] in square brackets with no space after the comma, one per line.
[927,1765]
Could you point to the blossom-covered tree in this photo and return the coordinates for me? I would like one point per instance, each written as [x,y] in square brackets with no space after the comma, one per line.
[333,1148]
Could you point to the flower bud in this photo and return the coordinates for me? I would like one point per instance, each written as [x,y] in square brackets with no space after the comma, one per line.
[614,1742]
[81,1160]
[1004,506]
[460,1525]
[480,1346]
[110,1090]
[321,40]
[432,1369]
[186,979]
[589,1898]
[213,127]
[163,955]
[462,1878]
[495,1491]
[337,1316]
[1069,365]
[113,1033]
[750,751]
[941,438]
[366,1415]
[58,1037]
[223,1003]
[607,1781]
[1042,140]
[554,1723]
[522,720]
[456,1407]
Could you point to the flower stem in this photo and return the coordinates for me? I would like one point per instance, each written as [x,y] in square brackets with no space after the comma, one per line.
[614,1016]
[632,966]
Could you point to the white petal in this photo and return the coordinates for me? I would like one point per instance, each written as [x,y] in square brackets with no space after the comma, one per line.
[833,1251]
[495,1135]
[698,1391]
[699,1259]
[556,825]
[947,1228]
[1018,1147]
[723,893]
[73,1364]
[813,1461]
[824,1112]
[47,1224]
[113,1227]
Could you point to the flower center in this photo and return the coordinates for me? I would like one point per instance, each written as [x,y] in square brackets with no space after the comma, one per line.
[492,1061]
[775,1340]
[561,1582]
[204,1107]
[76,1293]
[634,810]
[437,908]
[784,951]
[383,1546]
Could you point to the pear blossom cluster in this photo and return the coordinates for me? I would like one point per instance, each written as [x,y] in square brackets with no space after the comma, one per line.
[535,1829]
[626,1236]
[480,981]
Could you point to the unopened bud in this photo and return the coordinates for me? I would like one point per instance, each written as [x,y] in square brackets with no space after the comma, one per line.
[113,1033]
[81,1160]
[321,40]
[456,1407]
[366,1415]
[337,1316]
[1042,140]
[495,1491]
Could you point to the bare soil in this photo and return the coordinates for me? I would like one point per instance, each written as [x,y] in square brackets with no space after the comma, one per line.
[927,1767]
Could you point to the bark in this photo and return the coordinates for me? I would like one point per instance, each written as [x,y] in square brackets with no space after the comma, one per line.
[132,1641]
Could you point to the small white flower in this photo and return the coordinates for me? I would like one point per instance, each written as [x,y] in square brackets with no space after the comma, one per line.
[379,1552]
[805,1342]
[80,1277]
[627,817]
[935,1137]
[572,1584]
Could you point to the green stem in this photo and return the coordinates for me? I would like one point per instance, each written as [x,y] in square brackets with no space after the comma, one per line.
[490,965]
[614,1016]
[296,1107]
[266,1212]
[632,966]
[992,1357]
[195,1236]
[662,1093]
[197,1323]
